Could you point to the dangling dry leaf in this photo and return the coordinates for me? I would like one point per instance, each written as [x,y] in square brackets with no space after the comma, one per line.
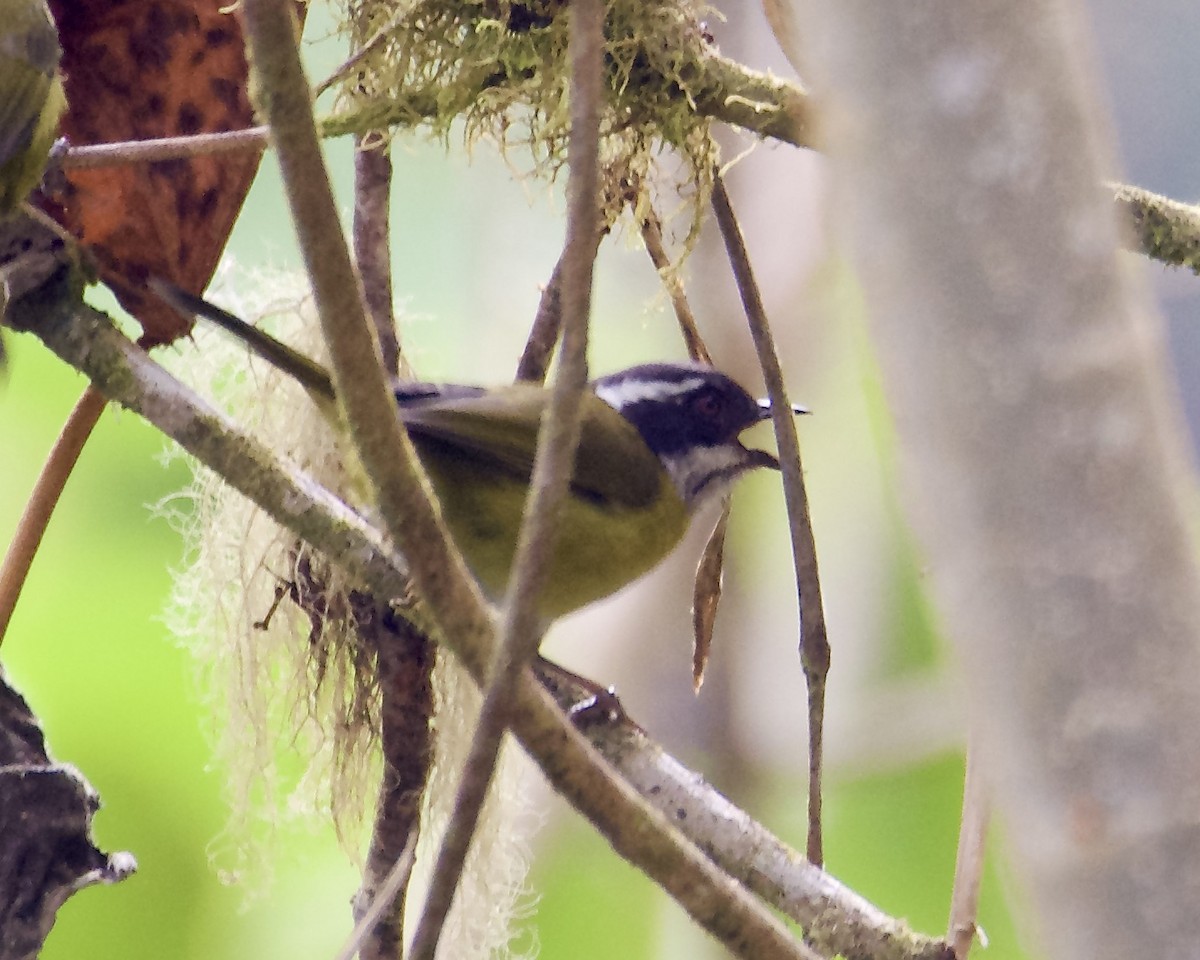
[140,71]
[706,596]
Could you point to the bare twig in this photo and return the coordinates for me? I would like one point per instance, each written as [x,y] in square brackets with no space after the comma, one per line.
[372,244]
[543,334]
[706,589]
[643,835]
[44,498]
[653,239]
[166,148]
[389,891]
[814,645]
[521,631]
[405,659]
[836,920]
[968,864]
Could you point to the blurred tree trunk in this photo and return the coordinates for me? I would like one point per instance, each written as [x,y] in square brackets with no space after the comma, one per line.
[1041,443]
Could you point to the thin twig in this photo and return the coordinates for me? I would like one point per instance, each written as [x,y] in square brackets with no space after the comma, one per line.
[405,662]
[814,645]
[521,629]
[166,148]
[372,243]
[543,334]
[405,659]
[638,832]
[968,864]
[653,239]
[836,920]
[44,498]
[391,889]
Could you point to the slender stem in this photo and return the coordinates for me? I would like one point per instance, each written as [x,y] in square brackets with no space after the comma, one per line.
[558,438]
[405,659]
[405,662]
[165,148]
[543,334]
[814,645]
[653,239]
[968,864]
[391,889]
[372,244]
[44,498]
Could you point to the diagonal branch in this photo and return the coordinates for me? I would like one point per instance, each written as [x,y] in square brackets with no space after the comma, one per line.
[814,645]
[57,469]
[382,445]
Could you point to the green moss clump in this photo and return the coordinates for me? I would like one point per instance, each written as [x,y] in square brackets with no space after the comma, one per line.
[498,71]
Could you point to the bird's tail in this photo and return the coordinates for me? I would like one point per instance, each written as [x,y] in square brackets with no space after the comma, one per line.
[304,370]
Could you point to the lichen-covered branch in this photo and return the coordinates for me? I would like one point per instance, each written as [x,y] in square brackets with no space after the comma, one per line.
[1161,228]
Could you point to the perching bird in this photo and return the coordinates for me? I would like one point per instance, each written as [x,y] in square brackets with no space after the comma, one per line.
[31,97]
[656,442]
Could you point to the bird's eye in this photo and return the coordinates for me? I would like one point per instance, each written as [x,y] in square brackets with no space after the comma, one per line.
[707,405]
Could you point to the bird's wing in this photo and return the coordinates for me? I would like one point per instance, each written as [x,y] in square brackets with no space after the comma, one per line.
[613,465]
[29,57]
[25,92]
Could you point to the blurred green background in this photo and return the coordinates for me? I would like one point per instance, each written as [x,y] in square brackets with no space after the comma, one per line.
[118,696]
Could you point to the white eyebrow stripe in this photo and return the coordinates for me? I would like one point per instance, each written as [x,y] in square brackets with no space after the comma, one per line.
[625,393]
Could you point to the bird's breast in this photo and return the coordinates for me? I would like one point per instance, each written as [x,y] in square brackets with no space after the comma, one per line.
[600,545]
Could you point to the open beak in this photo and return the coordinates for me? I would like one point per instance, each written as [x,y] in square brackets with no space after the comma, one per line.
[760,458]
[764,409]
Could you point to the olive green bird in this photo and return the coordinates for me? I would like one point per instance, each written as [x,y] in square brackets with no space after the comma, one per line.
[32,100]
[657,441]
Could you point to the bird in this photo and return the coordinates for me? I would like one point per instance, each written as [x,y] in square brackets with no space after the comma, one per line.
[32,99]
[657,442]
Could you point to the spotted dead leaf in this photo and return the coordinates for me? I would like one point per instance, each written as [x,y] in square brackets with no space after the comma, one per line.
[139,71]
[706,596]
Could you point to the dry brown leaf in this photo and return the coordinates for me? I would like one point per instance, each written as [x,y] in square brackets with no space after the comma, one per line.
[139,71]
[706,596]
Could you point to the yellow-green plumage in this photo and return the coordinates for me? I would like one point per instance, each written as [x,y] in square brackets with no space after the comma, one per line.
[31,97]
[622,516]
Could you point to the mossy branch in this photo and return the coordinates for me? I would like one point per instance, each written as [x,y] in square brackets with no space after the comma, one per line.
[1161,228]
[717,88]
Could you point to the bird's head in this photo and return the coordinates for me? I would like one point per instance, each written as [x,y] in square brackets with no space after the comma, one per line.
[692,417]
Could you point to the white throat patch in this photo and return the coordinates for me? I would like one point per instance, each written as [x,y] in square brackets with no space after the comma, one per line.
[701,474]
